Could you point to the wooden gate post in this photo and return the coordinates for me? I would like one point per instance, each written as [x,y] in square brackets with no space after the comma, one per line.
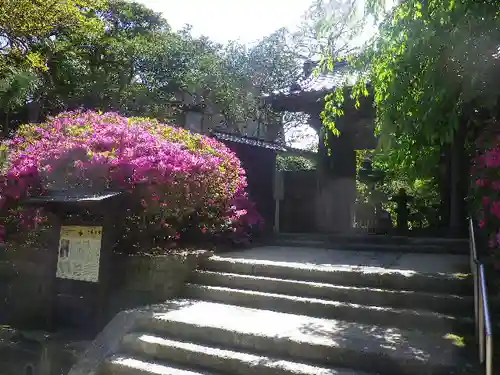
[279,190]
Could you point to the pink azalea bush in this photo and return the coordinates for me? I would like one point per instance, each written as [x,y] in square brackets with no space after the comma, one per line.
[180,183]
[485,185]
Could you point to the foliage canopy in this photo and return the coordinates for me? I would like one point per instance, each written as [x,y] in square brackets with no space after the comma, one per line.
[432,67]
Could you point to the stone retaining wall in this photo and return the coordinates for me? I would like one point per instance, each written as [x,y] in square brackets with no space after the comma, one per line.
[27,283]
[26,278]
[145,280]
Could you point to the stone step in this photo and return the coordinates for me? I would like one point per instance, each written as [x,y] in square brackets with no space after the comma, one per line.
[359,245]
[382,316]
[364,240]
[322,342]
[377,239]
[219,360]
[126,365]
[443,303]
[358,276]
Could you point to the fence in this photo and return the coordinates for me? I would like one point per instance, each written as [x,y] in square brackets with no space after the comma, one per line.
[484,332]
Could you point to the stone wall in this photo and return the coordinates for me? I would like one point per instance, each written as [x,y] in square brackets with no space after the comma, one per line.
[144,280]
[28,283]
[26,280]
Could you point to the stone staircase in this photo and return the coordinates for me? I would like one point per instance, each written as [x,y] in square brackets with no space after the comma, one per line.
[265,317]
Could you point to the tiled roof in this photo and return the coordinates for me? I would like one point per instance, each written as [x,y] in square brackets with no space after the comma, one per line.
[247,140]
[342,75]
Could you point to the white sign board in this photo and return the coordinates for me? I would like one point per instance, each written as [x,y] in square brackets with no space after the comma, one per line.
[79,253]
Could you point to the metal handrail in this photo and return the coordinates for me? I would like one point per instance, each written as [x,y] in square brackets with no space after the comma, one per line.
[484,333]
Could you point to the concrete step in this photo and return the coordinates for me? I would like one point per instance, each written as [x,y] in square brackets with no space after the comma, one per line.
[219,360]
[362,246]
[383,243]
[377,239]
[322,342]
[424,320]
[126,365]
[443,303]
[359,276]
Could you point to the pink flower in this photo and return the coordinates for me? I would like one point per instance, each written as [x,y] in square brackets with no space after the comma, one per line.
[486,201]
[187,173]
[482,223]
[495,209]
[481,182]
[492,158]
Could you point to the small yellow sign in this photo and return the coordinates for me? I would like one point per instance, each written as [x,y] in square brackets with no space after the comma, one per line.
[80,231]
[79,253]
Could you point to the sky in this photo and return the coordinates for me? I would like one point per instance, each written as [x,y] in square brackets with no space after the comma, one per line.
[224,20]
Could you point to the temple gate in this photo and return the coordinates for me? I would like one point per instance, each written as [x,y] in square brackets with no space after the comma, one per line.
[336,174]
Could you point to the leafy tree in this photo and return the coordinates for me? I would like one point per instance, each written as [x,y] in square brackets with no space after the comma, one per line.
[433,73]
[111,70]
[269,65]
[28,30]
[135,64]
[16,86]
[329,27]
[26,22]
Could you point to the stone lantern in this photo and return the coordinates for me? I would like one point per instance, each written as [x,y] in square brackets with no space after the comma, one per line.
[370,176]
[380,221]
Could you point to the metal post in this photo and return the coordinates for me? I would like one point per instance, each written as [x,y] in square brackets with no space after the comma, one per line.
[476,297]
[481,326]
[481,309]
[489,355]
[487,332]
[473,268]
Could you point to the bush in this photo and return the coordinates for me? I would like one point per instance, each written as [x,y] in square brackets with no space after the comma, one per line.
[485,184]
[180,183]
[294,163]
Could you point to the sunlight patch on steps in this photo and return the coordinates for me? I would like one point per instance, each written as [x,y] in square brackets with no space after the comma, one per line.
[455,339]
[149,367]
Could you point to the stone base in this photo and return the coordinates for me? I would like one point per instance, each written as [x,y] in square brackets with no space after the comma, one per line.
[146,280]
[28,287]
